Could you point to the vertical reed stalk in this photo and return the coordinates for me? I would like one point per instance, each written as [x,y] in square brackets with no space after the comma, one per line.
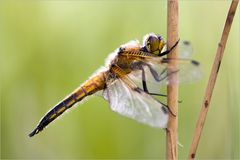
[212,80]
[172,90]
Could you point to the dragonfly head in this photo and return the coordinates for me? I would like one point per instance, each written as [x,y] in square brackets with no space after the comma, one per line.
[154,43]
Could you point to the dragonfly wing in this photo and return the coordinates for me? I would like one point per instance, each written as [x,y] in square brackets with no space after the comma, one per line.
[186,49]
[156,74]
[136,104]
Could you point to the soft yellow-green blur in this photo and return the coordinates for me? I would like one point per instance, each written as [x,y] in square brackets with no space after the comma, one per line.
[47,48]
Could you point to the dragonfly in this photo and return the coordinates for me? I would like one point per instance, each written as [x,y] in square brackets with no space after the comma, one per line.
[131,78]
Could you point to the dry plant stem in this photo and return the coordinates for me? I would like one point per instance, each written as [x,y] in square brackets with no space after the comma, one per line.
[212,80]
[172,90]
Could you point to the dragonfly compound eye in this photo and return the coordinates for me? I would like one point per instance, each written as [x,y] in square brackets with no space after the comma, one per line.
[152,44]
[160,44]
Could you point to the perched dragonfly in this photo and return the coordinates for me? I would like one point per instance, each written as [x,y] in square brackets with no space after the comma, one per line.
[132,74]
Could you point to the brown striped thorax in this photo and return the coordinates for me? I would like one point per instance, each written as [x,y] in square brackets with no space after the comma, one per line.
[132,75]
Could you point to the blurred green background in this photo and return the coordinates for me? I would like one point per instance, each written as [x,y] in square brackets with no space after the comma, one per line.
[47,48]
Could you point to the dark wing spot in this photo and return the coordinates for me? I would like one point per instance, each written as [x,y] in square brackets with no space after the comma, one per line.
[196,63]
[137,89]
[165,110]
[186,43]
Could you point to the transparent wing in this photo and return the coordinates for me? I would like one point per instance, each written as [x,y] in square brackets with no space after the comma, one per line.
[156,74]
[186,49]
[135,104]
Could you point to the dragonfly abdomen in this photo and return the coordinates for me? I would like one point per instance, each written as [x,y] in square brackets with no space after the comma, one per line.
[90,87]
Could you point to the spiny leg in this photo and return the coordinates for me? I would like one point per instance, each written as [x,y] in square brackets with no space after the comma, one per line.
[156,77]
[146,90]
[145,85]
[168,74]
[168,51]
[179,101]
[139,66]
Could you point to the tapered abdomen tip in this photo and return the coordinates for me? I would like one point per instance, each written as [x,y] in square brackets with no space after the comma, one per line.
[35,131]
[32,133]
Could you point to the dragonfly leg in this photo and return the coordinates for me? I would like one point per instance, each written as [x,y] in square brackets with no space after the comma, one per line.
[156,77]
[168,51]
[179,101]
[139,65]
[145,85]
[156,94]
[169,109]
[168,74]
[144,80]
